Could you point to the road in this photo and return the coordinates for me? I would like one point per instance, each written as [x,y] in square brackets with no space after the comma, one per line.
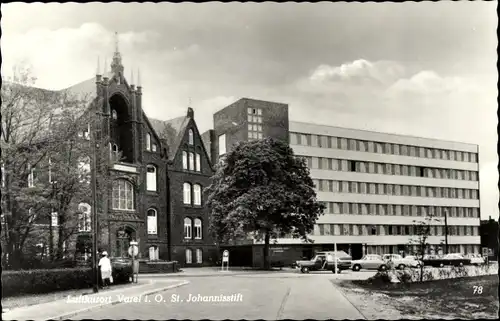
[270,296]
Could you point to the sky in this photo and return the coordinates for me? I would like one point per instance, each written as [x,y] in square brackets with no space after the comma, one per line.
[424,69]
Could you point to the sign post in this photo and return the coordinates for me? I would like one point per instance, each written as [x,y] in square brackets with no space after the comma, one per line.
[133,250]
[225,259]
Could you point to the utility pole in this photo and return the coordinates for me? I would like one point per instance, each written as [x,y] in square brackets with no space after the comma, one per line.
[93,171]
[446,231]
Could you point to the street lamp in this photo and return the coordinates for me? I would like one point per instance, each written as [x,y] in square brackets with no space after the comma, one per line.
[93,160]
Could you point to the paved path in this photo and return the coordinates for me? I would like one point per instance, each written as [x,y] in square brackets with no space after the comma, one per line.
[68,307]
[268,296]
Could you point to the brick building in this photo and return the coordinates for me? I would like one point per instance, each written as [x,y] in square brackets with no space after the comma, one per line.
[189,172]
[157,172]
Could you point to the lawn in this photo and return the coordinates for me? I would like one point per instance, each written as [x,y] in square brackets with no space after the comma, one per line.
[451,298]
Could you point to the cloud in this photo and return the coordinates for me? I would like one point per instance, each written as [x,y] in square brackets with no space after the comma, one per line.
[53,52]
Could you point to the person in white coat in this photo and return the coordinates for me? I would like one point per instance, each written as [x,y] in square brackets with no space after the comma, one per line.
[105,266]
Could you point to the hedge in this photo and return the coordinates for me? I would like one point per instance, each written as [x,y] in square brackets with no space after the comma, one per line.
[430,274]
[45,281]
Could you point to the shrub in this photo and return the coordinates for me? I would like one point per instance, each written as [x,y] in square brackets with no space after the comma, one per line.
[379,278]
[405,276]
[44,281]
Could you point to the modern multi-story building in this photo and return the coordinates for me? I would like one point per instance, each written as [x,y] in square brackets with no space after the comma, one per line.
[244,120]
[375,186]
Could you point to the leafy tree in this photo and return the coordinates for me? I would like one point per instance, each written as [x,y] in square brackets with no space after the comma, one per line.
[44,164]
[262,188]
[422,232]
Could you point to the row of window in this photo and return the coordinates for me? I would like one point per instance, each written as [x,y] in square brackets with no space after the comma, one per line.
[382,148]
[254,123]
[415,249]
[359,230]
[191,161]
[190,232]
[189,256]
[400,210]
[154,254]
[324,185]
[345,165]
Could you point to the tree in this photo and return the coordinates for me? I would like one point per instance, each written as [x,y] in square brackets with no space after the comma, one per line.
[44,156]
[261,187]
[422,231]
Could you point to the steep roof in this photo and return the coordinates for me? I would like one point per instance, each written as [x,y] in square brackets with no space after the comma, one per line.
[172,131]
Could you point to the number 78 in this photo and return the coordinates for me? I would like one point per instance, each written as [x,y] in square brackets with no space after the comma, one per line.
[477,289]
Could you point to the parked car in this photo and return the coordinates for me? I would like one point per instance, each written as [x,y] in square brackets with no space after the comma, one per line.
[454,259]
[402,262]
[369,262]
[325,261]
[414,258]
[476,259]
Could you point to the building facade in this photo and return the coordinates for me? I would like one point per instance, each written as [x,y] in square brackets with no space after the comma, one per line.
[189,172]
[244,120]
[375,186]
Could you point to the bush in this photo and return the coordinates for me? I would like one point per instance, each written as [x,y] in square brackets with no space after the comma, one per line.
[379,278]
[44,281]
[405,276]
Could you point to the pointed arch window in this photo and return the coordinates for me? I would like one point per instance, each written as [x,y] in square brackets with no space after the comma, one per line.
[84,217]
[154,253]
[188,228]
[123,195]
[197,194]
[151,178]
[198,162]
[189,256]
[184,160]
[152,221]
[191,137]
[31,176]
[197,229]
[191,161]
[148,141]
[199,256]
[187,193]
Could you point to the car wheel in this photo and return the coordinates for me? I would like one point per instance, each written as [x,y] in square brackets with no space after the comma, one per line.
[383,267]
[401,266]
[304,269]
[356,267]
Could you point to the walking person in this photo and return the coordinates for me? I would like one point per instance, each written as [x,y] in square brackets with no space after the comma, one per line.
[105,267]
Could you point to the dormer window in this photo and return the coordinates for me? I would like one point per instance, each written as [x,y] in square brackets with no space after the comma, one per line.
[114,114]
[191,137]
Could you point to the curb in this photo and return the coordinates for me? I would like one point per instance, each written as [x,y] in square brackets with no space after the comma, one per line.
[71,314]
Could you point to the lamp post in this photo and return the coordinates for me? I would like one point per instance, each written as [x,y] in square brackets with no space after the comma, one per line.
[93,171]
